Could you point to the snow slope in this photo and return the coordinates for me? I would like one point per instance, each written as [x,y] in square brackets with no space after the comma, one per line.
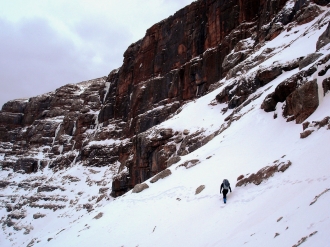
[278,212]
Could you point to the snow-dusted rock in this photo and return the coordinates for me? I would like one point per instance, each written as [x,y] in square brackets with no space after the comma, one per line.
[140,187]
[161,175]
[310,58]
[264,173]
[302,102]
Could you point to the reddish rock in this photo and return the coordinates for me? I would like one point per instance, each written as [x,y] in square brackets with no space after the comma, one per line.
[307,13]
[264,173]
[11,120]
[325,121]
[306,133]
[265,76]
[281,92]
[15,106]
[305,125]
[302,102]
[28,165]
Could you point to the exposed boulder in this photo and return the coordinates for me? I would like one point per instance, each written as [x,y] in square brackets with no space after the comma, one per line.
[240,52]
[319,124]
[38,215]
[293,64]
[302,102]
[265,76]
[98,216]
[324,39]
[310,58]
[173,160]
[309,128]
[140,187]
[28,165]
[326,85]
[199,189]
[264,173]
[190,143]
[232,59]
[15,106]
[161,175]
[101,197]
[306,133]
[282,91]
[186,132]
[307,13]
[275,30]
[11,119]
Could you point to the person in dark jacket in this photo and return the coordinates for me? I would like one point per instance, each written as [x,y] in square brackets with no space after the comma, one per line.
[224,188]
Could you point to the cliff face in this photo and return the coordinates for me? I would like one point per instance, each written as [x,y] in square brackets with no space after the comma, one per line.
[108,121]
[180,57]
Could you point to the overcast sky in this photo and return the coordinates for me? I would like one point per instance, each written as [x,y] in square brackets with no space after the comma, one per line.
[49,43]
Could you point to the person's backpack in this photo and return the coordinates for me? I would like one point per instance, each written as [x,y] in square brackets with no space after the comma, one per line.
[226,184]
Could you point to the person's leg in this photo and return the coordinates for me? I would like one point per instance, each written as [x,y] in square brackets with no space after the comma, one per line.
[224,192]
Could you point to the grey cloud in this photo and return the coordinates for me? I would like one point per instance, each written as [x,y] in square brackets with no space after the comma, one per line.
[111,40]
[35,59]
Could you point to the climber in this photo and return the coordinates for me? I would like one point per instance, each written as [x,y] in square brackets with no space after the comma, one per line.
[224,187]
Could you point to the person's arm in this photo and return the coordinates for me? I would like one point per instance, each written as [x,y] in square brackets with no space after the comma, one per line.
[221,187]
[230,188]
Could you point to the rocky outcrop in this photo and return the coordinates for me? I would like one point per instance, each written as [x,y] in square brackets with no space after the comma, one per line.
[309,128]
[140,187]
[307,12]
[299,94]
[310,58]
[281,92]
[302,102]
[264,173]
[324,39]
[161,175]
[180,58]
[240,90]
[326,85]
